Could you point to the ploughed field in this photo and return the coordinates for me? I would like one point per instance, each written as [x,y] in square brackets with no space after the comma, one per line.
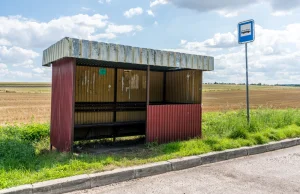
[26,102]
[267,97]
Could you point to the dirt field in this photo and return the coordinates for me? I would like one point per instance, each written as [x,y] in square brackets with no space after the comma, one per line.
[26,102]
[236,99]
[22,103]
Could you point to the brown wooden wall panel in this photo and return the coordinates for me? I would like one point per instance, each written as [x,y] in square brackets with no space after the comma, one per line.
[156,86]
[93,87]
[93,117]
[131,116]
[131,86]
[184,86]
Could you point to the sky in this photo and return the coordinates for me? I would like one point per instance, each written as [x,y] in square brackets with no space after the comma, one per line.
[189,26]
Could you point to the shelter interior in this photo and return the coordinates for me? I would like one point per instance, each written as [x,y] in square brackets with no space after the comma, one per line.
[111,98]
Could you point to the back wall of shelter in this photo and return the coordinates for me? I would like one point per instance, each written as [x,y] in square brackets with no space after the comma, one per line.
[97,85]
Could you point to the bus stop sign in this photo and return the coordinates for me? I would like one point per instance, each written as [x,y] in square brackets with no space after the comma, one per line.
[245,35]
[246,31]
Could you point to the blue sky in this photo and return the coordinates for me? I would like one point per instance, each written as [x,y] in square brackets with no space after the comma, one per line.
[192,26]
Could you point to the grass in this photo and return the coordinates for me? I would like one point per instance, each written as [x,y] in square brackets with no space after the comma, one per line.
[25,158]
[25,87]
[227,87]
[25,84]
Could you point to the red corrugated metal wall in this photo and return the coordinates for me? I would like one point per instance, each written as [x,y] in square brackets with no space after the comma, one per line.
[62,104]
[166,123]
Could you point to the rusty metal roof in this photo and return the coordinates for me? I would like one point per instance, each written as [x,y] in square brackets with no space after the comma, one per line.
[99,51]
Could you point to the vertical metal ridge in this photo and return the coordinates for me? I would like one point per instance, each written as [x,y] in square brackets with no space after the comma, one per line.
[85,49]
[62,104]
[167,123]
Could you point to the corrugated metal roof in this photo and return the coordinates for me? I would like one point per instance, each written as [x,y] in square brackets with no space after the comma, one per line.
[84,49]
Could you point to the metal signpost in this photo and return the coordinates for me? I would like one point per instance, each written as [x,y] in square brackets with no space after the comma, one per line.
[245,35]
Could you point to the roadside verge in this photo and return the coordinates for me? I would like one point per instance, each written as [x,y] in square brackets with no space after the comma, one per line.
[87,181]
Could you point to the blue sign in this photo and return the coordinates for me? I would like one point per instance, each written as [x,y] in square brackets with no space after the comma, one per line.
[246,31]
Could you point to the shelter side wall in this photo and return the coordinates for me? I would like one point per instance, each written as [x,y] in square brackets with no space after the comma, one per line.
[184,86]
[166,123]
[62,104]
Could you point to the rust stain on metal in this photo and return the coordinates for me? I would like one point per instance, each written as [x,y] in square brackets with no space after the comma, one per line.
[167,123]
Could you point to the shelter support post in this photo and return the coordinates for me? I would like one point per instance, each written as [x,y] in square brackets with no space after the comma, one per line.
[115,102]
[148,84]
[164,86]
[147,96]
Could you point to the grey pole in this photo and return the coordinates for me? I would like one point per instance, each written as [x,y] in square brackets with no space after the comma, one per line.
[247,86]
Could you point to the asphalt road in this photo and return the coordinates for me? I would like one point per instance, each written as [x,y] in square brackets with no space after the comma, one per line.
[272,172]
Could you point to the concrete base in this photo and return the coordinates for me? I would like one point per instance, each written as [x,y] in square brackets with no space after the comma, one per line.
[26,189]
[213,157]
[186,162]
[257,149]
[152,169]
[109,177]
[236,153]
[63,185]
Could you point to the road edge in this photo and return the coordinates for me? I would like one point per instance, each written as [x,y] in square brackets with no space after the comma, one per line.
[88,181]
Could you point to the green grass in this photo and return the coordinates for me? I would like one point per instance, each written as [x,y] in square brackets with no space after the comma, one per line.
[25,158]
[25,84]
[227,87]
[25,87]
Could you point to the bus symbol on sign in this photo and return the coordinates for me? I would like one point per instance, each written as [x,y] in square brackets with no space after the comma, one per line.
[246,31]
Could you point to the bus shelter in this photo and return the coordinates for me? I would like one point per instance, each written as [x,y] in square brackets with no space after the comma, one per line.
[102,90]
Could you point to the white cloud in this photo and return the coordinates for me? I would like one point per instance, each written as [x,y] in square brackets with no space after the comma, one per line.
[122,29]
[16,55]
[150,13]
[133,11]
[282,13]
[158,2]
[27,64]
[102,1]
[27,33]
[271,59]
[4,42]
[155,23]
[17,74]
[232,8]
[3,70]
[103,36]
[85,8]
[279,5]
[38,70]
[20,31]
[229,13]
[183,42]
[3,66]
[12,75]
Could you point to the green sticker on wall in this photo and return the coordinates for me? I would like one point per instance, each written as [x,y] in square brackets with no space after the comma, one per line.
[102,71]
